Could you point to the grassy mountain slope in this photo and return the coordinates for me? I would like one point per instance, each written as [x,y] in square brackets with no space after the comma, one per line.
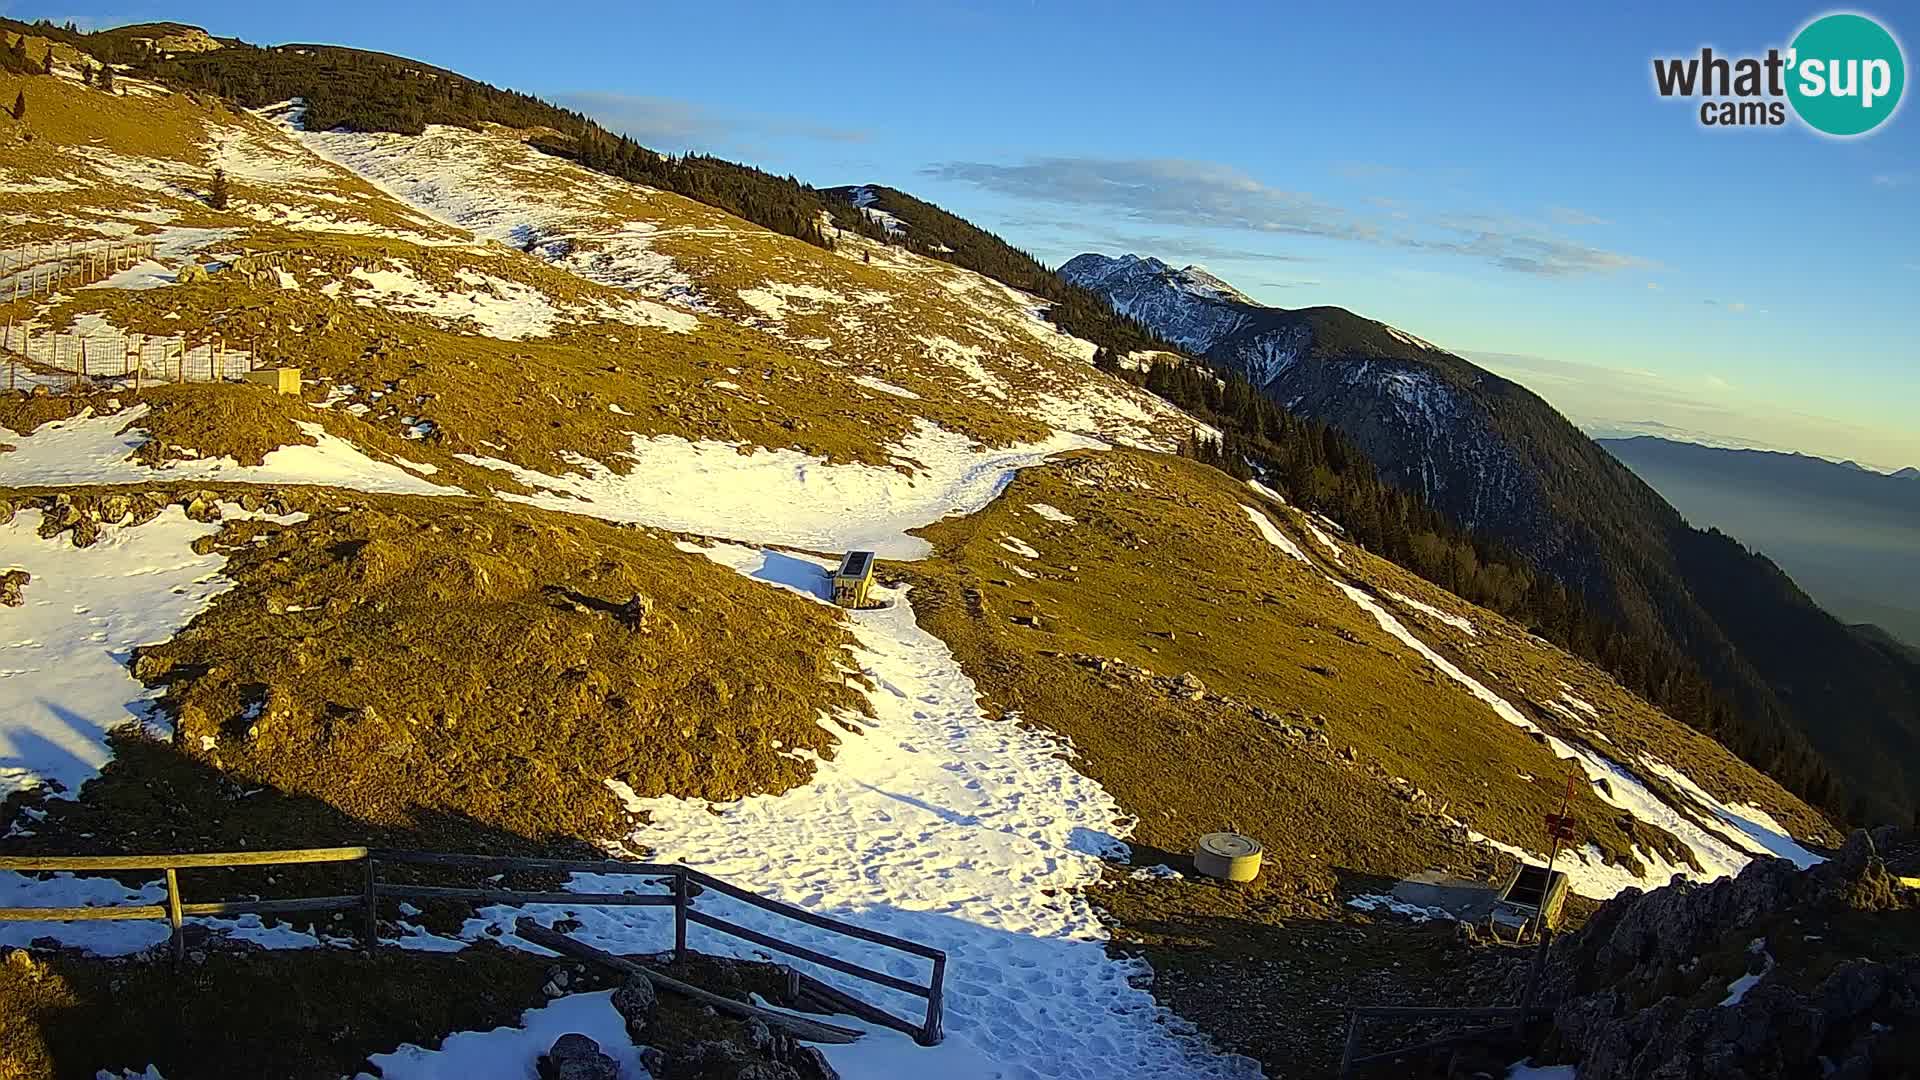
[482,604]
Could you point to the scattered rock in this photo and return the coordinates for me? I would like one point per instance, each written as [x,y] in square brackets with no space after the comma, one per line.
[1189,686]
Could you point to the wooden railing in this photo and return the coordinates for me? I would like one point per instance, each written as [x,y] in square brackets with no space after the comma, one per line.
[684,886]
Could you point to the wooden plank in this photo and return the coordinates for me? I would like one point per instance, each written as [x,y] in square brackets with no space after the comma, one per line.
[514,896]
[1490,1012]
[804,953]
[811,919]
[798,1027]
[1496,1035]
[271,907]
[515,862]
[840,1001]
[82,914]
[182,862]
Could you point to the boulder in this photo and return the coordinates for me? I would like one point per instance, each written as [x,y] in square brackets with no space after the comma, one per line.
[11,584]
[635,1002]
[576,1057]
[86,532]
[145,508]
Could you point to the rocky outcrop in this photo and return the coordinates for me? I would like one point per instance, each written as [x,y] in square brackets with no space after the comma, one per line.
[763,1054]
[1636,994]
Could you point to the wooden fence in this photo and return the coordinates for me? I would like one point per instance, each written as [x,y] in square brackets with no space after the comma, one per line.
[73,359]
[684,885]
[43,268]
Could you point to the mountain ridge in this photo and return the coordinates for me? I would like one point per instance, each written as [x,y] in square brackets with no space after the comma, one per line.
[1502,461]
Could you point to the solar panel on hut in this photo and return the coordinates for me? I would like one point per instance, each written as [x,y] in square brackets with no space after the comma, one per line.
[853,580]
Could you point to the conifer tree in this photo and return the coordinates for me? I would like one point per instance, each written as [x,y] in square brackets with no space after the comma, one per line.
[106,78]
[86,74]
[217,198]
[46,62]
[20,105]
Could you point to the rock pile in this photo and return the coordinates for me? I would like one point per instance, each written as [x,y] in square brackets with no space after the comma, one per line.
[1633,997]
[81,517]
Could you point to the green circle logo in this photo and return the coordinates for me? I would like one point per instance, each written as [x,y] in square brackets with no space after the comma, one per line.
[1846,74]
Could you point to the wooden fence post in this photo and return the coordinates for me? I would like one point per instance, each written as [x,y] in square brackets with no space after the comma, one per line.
[930,1035]
[1353,1043]
[173,917]
[371,932]
[680,913]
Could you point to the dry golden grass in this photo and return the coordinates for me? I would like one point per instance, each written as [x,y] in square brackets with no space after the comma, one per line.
[408,657]
[1163,570]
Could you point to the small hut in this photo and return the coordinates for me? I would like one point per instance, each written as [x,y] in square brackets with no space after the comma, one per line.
[854,580]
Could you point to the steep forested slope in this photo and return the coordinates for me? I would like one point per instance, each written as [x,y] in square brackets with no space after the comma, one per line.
[1502,462]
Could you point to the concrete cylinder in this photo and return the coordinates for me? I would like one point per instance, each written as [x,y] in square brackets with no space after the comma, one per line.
[1227,856]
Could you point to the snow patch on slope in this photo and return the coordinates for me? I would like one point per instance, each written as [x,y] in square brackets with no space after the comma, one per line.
[64,653]
[787,497]
[89,449]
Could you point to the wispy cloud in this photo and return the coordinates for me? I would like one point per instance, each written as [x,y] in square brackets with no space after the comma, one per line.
[1170,191]
[1567,215]
[1892,179]
[1203,194]
[1062,238]
[676,123]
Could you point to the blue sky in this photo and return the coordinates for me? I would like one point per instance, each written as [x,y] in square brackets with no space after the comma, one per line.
[1505,185]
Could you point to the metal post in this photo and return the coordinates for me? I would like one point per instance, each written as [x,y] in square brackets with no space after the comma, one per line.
[173,917]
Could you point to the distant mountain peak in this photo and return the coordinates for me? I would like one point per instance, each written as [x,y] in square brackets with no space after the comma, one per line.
[1192,279]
